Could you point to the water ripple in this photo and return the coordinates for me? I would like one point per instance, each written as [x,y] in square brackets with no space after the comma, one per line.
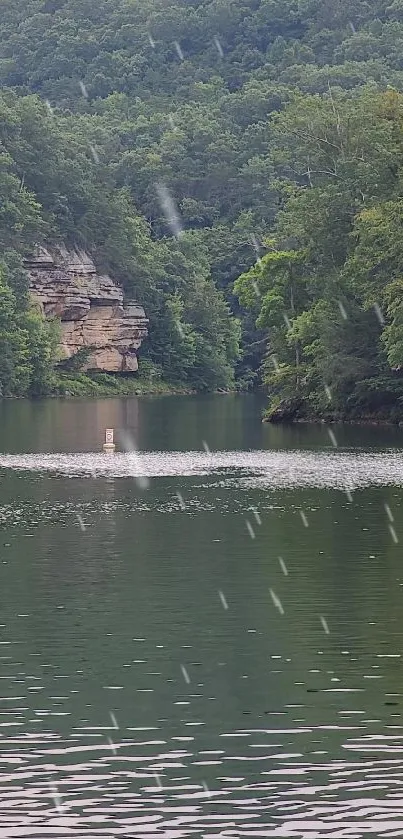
[342,468]
[292,797]
[309,768]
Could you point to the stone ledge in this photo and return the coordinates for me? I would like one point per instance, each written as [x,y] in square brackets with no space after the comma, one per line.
[65,284]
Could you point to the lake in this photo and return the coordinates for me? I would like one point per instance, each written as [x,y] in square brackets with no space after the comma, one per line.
[202,637]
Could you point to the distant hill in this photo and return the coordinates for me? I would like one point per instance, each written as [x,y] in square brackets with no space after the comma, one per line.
[181,141]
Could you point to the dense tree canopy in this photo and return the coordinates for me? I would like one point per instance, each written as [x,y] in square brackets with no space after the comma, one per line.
[194,145]
[332,302]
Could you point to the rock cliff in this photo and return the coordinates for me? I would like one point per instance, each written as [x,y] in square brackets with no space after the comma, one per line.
[65,284]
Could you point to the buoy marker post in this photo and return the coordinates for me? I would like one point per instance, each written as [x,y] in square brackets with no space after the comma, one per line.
[109,446]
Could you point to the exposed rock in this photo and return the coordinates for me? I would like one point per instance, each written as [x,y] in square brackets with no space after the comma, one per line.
[91,309]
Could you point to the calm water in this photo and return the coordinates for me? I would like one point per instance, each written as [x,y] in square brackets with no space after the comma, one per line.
[198,643]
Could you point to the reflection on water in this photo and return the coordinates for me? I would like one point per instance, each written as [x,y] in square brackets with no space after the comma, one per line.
[280,469]
[149,685]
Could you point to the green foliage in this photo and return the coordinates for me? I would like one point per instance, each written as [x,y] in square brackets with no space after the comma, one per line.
[27,345]
[339,347]
[103,384]
[274,126]
[76,362]
[71,198]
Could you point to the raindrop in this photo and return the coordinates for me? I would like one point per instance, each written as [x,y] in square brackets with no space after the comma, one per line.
[180,329]
[256,247]
[171,122]
[388,512]
[328,393]
[94,154]
[83,89]
[277,602]
[80,521]
[349,495]
[206,447]
[379,314]
[275,363]
[256,515]
[324,624]
[151,40]
[218,46]
[206,789]
[113,720]
[342,310]
[130,448]
[250,529]
[57,799]
[352,27]
[255,244]
[393,534]
[158,780]
[256,288]
[49,107]
[181,501]
[112,746]
[332,437]
[185,674]
[179,50]
[304,518]
[283,566]
[223,599]
[287,321]
[169,209]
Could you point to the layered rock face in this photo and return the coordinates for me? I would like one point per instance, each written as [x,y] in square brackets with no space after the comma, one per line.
[65,284]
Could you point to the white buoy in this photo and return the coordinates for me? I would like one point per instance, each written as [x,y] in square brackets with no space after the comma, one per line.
[109,446]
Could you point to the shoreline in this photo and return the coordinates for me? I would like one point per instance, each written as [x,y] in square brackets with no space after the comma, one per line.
[294,412]
[364,421]
[104,385]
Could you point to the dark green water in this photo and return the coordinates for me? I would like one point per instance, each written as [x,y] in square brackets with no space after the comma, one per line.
[161,673]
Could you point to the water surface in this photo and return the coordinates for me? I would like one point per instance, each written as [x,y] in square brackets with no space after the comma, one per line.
[198,643]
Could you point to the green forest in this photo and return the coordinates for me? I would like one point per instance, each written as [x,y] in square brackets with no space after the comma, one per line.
[237,167]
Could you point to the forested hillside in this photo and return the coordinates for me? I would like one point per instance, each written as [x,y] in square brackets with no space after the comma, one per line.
[191,145]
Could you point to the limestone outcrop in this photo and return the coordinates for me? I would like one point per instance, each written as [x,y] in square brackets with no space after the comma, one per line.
[90,306]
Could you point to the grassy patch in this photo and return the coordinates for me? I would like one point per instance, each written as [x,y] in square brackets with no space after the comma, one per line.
[108,384]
